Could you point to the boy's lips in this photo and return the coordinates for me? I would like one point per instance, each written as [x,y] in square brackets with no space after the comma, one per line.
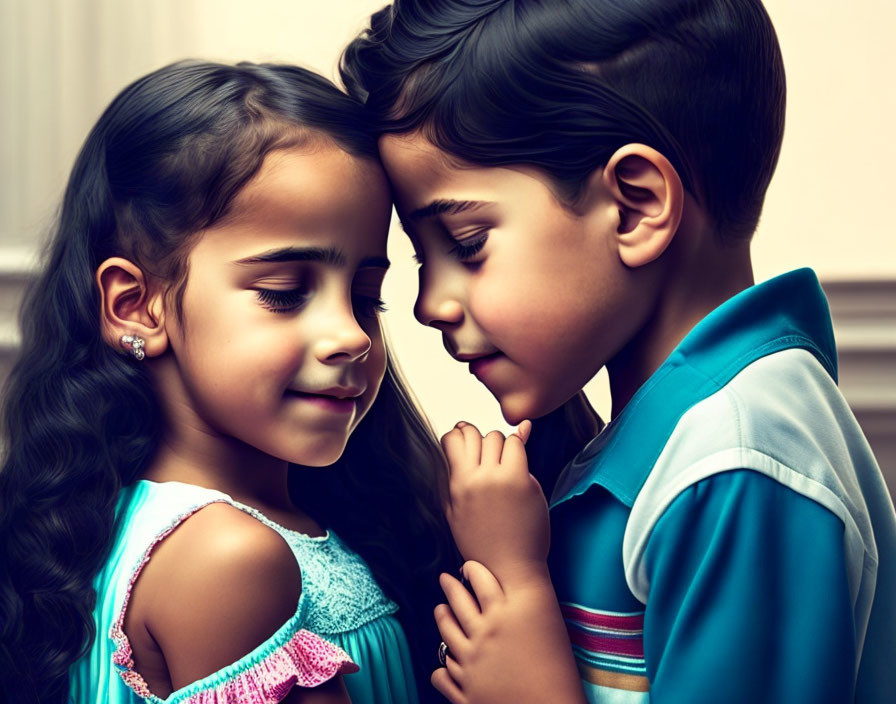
[480,365]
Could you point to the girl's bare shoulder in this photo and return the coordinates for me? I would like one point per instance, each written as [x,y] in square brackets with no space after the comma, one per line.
[214,589]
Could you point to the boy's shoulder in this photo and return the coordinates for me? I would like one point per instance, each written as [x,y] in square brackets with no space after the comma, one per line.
[783,419]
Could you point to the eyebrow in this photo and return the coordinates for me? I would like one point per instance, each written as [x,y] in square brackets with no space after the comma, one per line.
[449,207]
[322,255]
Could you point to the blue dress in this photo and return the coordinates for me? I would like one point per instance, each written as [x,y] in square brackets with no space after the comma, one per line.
[343,624]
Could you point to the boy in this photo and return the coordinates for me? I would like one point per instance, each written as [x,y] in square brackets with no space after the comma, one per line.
[581,180]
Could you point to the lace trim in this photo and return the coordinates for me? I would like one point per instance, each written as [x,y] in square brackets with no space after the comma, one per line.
[304,659]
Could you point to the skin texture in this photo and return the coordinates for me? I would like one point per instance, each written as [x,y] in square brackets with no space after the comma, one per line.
[251,381]
[538,296]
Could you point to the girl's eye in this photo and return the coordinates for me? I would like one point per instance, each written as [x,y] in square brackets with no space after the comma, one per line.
[278,301]
[468,248]
[368,306]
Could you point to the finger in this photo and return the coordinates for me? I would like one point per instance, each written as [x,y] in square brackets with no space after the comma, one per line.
[454,669]
[447,687]
[453,445]
[472,444]
[484,584]
[451,632]
[462,603]
[492,446]
[524,430]
[514,457]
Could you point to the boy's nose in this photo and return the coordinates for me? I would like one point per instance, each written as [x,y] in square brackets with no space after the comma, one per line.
[440,314]
[437,305]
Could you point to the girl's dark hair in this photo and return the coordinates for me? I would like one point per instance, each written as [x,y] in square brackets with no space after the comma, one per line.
[163,162]
[562,85]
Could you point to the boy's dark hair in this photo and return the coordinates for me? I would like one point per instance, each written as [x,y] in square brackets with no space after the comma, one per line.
[561,85]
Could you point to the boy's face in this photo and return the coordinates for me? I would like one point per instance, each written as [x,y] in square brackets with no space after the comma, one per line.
[531,294]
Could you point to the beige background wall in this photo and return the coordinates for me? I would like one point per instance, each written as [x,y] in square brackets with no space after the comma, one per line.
[61,61]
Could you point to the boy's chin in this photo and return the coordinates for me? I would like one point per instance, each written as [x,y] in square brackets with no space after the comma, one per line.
[520,406]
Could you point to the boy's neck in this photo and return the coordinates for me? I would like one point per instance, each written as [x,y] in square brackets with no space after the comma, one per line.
[698,278]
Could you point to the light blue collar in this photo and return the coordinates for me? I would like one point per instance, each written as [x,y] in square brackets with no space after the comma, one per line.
[789,311]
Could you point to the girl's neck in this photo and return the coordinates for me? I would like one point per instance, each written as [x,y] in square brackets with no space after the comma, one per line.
[225,464]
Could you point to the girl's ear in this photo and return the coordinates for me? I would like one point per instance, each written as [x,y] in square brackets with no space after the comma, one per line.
[129,306]
[649,197]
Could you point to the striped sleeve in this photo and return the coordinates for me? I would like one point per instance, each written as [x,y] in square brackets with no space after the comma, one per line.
[749,597]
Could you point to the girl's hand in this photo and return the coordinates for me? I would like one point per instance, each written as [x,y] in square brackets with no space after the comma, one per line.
[504,647]
[496,509]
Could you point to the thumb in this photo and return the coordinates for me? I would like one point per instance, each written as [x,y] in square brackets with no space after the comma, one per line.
[523,430]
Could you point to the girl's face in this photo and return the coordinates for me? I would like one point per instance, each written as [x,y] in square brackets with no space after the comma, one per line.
[527,292]
[279,345]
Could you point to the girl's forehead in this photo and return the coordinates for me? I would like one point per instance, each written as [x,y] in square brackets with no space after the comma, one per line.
[321,196]
[317,171]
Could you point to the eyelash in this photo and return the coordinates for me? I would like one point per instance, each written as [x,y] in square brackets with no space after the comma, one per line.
[462,252]
[282,301]
[288,301]
[369,306]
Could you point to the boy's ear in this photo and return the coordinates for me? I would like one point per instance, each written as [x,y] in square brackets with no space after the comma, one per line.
[130,306]
[649,197]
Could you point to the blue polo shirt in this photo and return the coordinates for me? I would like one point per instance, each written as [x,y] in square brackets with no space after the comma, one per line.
[729,537]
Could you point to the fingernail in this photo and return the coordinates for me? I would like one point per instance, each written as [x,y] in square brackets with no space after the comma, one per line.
[461,424]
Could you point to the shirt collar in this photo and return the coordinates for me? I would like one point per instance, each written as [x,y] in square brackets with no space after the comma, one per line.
[788,311]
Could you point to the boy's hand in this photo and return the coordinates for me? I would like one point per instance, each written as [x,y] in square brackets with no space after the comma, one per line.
[496,509]
[504,647]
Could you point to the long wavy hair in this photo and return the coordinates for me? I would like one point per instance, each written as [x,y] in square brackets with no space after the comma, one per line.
[80,421]
[562,85]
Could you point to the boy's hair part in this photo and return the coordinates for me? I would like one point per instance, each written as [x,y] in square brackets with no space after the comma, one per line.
[562,85]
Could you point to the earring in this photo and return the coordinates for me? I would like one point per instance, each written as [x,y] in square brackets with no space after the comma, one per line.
[134,346]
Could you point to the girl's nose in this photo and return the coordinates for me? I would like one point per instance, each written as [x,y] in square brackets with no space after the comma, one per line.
[345,341]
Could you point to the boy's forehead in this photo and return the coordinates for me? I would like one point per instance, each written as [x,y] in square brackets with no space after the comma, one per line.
[421,172]
[416,148]
[415,167]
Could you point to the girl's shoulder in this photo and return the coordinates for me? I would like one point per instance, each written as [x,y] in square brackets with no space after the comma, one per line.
[214,596]
[222,579]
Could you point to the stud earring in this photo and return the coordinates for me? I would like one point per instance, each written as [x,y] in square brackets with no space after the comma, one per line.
[134,346]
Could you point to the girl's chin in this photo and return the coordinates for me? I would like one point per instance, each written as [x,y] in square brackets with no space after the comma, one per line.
[319,456]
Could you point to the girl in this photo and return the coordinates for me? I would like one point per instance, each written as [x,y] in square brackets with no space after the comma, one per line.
[207,318]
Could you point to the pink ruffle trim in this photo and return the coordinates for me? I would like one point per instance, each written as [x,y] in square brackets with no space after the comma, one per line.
[305,660]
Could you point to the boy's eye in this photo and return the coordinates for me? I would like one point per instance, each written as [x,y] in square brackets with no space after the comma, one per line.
[278,301]
[469,247]
[368,306]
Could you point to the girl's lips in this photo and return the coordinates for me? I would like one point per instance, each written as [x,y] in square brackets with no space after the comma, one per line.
[326,402]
